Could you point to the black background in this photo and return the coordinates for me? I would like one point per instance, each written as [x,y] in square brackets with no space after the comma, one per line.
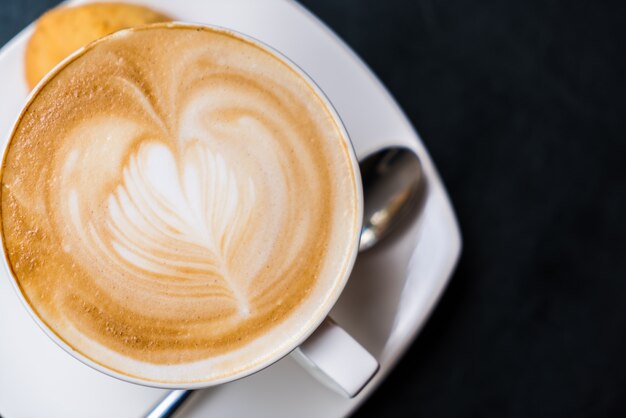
[521,105]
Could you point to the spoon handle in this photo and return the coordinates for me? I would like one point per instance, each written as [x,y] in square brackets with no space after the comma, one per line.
[167,407]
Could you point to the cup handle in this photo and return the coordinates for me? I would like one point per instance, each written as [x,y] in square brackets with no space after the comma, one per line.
[336,359]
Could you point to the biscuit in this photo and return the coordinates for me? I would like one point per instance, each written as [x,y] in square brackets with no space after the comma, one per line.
[61,31]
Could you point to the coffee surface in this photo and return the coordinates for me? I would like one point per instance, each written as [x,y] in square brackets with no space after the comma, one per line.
[178,204]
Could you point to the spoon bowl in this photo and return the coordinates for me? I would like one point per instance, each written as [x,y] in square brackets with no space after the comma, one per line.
[393,188]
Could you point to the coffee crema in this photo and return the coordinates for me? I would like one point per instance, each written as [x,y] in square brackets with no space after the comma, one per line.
[178,204]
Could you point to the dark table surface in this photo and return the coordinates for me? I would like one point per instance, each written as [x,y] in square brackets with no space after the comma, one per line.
[522,106]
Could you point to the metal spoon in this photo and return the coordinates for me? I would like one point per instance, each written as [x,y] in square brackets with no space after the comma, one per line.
[393,186]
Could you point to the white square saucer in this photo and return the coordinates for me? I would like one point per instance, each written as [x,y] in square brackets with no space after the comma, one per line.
[391,292]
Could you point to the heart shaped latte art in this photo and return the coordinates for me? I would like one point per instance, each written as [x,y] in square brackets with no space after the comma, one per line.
[174,226]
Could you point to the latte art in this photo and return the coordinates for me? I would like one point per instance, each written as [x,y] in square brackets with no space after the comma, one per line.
[178,204]
[161,229]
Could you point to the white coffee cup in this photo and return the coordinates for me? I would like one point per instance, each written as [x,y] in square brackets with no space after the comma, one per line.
[324,348]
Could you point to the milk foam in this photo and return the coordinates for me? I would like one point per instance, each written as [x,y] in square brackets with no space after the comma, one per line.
[178,205]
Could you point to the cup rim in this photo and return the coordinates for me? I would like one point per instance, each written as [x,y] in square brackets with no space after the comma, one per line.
[339,284]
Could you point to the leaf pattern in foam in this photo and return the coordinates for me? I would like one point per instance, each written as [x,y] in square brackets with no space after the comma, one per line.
[177,221]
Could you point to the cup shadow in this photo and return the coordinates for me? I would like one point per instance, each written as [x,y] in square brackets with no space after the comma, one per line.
[360,310]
